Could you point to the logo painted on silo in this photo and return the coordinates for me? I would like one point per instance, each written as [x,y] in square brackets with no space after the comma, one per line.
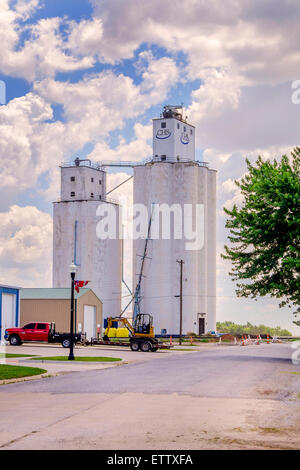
[163,133]
[184,139]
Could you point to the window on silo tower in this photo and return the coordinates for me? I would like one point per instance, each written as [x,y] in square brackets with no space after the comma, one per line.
[163,125]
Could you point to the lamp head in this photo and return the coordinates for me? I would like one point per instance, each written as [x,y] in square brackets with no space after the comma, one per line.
[73,268]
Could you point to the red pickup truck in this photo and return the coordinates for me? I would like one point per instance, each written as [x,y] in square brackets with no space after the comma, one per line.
[38,331]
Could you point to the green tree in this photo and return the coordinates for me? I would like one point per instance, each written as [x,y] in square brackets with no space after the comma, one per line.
[265,231]
[236,329]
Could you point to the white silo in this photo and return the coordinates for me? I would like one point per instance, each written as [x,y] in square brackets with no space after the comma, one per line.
[83,189]
[174,181]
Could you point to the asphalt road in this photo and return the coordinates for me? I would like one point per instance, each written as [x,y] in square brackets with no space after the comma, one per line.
[219,372]
[226,397]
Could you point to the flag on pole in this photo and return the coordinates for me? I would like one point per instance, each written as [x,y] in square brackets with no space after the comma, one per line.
[79,284]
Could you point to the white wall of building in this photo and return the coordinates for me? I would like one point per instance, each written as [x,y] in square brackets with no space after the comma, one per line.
[8,311]
[83,181]
[174,139]
[178,183]
[173,177]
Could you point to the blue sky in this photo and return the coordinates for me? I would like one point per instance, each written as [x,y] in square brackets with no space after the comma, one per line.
[86,77]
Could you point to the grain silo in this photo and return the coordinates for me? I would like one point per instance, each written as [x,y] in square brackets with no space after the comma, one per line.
[182,193]
[75,238]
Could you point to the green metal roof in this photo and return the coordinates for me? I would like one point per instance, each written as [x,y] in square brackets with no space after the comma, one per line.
[50,293]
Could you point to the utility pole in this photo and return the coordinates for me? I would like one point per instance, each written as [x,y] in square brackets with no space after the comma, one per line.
[181,262]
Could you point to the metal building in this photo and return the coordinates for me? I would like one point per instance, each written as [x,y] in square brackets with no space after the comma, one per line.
[9,308]
[98,260]
[185,188]
[53,305]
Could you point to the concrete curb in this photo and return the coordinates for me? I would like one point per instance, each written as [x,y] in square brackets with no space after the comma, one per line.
[47,374]
[26,379]
[85,363]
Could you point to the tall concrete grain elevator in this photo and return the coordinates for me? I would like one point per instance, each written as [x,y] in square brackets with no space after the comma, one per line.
[180,195]
[98,260]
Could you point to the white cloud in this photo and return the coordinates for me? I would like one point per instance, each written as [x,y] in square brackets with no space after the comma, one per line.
[21,141]
[25,8]
[143,132]
[239,50]
[85,37]
[32,144]
[237,200]
[98,105]
[228,186]
[245,36]
[158,77]
[43,52]
[216,158]
[99,102]
[136,150]
[218,94]
[25,246]
[104,100]
[173,23]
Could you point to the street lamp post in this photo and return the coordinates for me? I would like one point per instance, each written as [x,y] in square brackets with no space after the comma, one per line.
[73,270]
[181,262]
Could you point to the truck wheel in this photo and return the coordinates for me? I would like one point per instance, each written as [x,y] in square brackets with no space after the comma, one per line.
[146,346]
[154,349]
[134,346]
[14,340]
[66,343]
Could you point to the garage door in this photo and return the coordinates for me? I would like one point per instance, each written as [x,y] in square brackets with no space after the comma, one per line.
[8,319]
[89,324]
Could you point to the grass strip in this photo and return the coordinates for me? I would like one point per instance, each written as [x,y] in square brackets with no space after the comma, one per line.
[16,372]
[78,358]
[183,349]
[10,356]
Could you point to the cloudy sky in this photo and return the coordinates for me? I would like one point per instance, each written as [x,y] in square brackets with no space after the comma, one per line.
[85,77]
